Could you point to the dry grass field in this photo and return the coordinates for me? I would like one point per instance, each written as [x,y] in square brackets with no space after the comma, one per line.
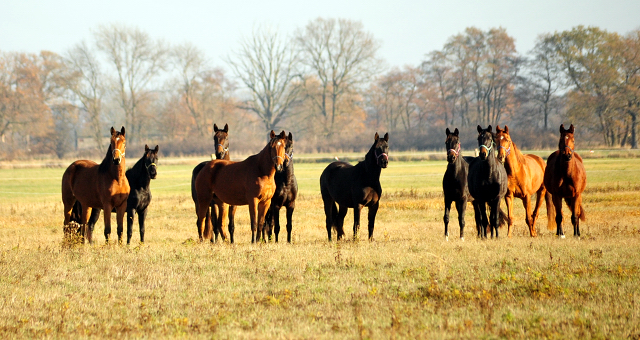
[408,283]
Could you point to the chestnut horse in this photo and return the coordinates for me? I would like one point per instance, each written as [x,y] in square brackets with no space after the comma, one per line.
[221,139]
[525,175]
[103,186]
[566,178]
[250,182]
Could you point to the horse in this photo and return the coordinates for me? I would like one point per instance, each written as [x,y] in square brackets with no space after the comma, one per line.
[454,182]
[285,194]
[98,186]
[565,177]
[525,175]
[487,182]
[139,177]
[221,140]
[250,182]
[354,187]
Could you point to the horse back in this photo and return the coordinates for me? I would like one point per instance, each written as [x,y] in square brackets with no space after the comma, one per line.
[236,183]
[348,185]
[80,180]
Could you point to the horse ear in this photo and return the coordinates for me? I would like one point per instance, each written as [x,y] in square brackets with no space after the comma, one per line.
[122,131]
[272,134]
[571,129]
[561,128]
[479,129]
[456,132]
[489,128]
[226,128]
[498,128]
[156,149]
[506,129]
[215,127]
[283,135]
[376,137]
[113,131]
[448,132]
[386,137]
[146,148]
[290,136]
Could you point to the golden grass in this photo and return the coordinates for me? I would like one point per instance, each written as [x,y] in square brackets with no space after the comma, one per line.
[408,283]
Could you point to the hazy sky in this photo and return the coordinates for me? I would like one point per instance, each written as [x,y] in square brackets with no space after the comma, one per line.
[407,30]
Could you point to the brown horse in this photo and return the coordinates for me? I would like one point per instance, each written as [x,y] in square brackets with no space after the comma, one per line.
[526,176]
[566,178]
[102,186]
[250,182]
[221,139]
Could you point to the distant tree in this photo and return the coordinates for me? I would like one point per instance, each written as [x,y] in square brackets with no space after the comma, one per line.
[137,60]
[340,56]
[266,65]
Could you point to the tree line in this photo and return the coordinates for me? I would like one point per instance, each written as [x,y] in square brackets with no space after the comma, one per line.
[324,82]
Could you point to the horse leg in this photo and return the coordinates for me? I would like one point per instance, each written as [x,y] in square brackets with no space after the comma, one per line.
[232,226]
[329,207]
[557,204]
[373,210]
[222,210]
[342,212]
[447,209]
[290,209]
[107,221]
[120,211]
[485,221]
[478,217]
[540,195]
[253,212]
[263,207]
[275,215]
[575,205]
[356,220]
[202,211]
[461,207]
[211,223]
[130,214]
[526,202]
[142,215]
[508,200]
[495,215]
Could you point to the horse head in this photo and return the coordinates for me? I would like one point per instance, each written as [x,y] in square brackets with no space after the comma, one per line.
[504,143]
[221,139]
[118,145]
[485,142]
[566,143]
[288,150]
[381,149]
[453,145]
[277,146]
[151,160]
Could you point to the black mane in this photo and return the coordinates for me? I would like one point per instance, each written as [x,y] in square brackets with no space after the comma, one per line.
[105,165]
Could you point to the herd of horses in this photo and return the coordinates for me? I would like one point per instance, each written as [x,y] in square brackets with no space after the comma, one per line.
[266,182]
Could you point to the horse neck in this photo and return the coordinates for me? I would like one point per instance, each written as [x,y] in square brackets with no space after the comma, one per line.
[140,176]
[457,165]
[265,163]
[371,164]
[118,171]
[227,157]
[514,160]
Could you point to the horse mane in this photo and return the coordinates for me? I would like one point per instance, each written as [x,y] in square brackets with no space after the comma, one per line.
[104,166]
[519,156]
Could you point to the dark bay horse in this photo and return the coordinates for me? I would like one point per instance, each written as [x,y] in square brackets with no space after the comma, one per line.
[454,182]
[525,175]
[285,194]
[354,187]
[250,182]
[221,140]
[139,177]
[566,178]
[487,182]
[102,186]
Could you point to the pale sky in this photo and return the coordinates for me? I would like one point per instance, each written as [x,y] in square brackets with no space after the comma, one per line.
[407,30]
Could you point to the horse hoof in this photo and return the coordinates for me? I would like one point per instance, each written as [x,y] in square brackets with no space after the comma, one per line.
[462,239]
[562,236]
[446,238]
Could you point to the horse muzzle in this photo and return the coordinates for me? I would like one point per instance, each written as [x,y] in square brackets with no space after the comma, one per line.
[501,157]
[483,155]
[451,157]
[117,160]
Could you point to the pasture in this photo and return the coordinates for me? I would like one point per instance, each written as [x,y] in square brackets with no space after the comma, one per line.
[408,283]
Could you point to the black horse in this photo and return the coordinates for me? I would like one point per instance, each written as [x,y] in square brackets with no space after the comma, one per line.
[221,139]
[285,195]
[354,187]
[487,182]
[139,177]
[454,182]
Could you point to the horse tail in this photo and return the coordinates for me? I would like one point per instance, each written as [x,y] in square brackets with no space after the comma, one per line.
[582,216]
[503,218]
[551,212]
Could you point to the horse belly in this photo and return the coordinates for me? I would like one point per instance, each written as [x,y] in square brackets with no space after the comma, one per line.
[371,197]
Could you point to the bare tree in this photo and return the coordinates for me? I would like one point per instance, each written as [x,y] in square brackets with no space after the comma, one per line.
[266,65]
[544,77]
[86,81]
[138,60]
[341,56]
